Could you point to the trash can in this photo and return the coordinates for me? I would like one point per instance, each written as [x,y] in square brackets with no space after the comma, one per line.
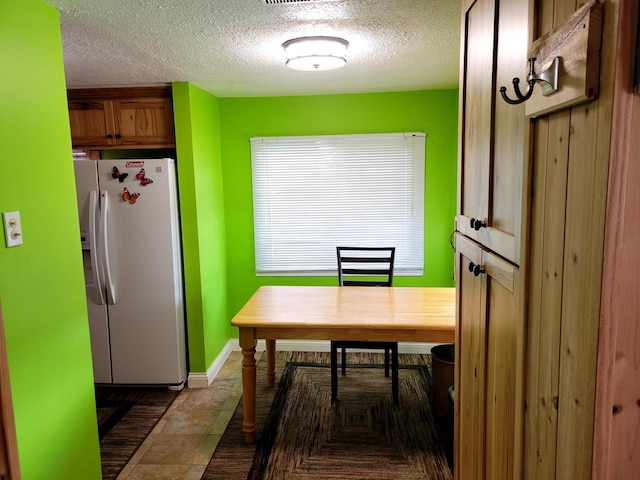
[442,374]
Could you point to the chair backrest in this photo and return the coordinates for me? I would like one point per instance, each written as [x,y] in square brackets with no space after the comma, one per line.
[365,266]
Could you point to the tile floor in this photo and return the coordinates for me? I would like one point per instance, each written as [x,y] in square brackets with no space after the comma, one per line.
[181,444]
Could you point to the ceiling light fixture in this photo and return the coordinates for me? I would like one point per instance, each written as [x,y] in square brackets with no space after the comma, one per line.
[316,53]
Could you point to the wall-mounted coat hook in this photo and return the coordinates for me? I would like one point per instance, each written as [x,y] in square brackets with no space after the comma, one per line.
[548,78]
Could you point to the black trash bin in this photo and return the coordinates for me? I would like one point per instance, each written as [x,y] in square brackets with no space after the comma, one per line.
[442,374]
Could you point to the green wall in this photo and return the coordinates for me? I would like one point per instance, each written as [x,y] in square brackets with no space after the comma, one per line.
[433,112]
[197,122]
[41,281]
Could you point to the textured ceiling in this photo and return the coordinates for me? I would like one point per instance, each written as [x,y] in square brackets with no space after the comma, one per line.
[232,48]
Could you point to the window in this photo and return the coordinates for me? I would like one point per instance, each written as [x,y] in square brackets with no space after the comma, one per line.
[311,194]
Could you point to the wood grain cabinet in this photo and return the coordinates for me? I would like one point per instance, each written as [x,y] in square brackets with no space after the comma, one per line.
[547,330]
[489,349]
[115,118]
[492,132]
[491,226]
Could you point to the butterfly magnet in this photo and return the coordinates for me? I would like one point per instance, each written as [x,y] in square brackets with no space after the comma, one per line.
[129,197]
[115,173]
[144,181]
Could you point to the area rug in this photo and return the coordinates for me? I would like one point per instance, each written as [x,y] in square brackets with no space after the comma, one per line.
[126,416]
[301,435]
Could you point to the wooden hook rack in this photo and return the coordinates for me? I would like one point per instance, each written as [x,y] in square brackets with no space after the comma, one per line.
[577,42]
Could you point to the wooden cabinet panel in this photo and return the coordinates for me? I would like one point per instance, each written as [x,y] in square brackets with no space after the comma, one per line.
[469,366]
[545,296]
[90,123]
[121,118]
[489,408]
[490,203]
[506,200]
[144,121]
[478,39]
[476,110]
[504,407]
[562,261]
[570,160]
[616,454]
[565,279]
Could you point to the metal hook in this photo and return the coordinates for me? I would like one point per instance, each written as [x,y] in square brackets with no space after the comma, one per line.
[548,78]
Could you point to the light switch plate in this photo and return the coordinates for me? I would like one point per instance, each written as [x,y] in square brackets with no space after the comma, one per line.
[12,228]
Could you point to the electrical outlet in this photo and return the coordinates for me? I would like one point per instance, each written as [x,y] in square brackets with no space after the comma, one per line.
[12,228]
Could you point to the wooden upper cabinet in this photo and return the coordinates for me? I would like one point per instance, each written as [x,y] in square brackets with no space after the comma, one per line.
[492,132]
[88,120]
[112,118]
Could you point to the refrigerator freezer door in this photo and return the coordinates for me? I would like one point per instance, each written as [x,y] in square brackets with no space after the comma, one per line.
[86,186]
[107,248]
[91,244]
[99,332]
[147,321]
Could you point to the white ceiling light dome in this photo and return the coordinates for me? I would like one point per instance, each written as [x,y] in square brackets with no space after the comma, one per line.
[316,53]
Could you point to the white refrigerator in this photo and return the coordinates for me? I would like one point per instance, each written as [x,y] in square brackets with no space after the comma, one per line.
[131,248]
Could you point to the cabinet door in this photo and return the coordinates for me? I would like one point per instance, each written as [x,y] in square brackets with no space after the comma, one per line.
[470,364]
[91,123]
[492,132]
[144,121]
[118,118]
[489,352]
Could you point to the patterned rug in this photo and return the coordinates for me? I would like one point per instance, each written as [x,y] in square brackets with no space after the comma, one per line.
[302,435]
[126,415]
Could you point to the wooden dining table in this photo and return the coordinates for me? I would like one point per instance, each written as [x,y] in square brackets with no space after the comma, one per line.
[402,314]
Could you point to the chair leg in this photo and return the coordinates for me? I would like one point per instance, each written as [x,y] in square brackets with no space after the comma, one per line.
[386,362]
[344,361]
[394,374]
[334,373]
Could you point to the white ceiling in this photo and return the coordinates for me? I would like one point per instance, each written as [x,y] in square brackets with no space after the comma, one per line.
[232,48]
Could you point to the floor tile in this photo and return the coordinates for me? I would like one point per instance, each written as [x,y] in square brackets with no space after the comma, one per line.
[182,443]
[159,472]
[190,421]
[173,449]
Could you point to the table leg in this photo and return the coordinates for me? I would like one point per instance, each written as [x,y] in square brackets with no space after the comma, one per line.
[394,373]
[248,344]
[271,362]
[334,372]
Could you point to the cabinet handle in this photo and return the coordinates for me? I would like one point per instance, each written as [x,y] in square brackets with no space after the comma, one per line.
[477,224]
[118,136]
[109,136]
[476,269]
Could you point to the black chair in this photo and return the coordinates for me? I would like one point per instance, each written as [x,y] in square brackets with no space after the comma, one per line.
[371,267]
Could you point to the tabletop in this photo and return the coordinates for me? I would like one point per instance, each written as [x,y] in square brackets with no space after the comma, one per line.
[340,307]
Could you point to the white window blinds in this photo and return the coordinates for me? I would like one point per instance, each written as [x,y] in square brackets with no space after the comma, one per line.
[311,194]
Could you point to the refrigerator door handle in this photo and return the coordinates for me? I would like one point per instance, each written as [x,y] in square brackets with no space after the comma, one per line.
[93,213]
[111,293]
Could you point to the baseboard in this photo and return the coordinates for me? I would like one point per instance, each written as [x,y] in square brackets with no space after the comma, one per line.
[203,380]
